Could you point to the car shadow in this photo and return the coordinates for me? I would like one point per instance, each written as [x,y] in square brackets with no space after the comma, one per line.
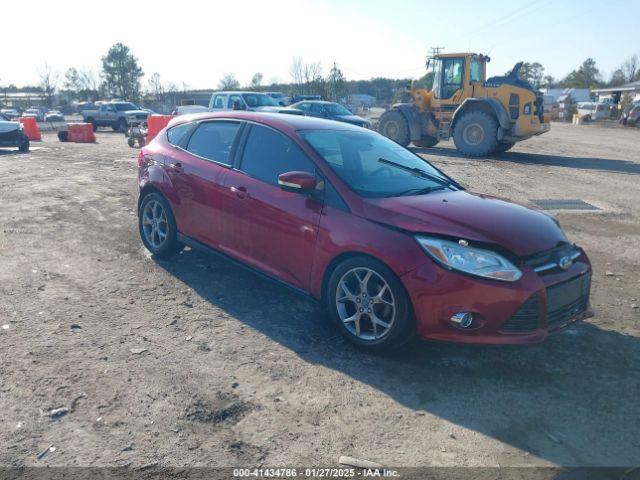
[572,400]
[583,163]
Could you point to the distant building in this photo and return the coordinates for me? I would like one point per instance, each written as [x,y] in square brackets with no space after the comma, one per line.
[576,94]
[615,93]
[23,99]
[361,100]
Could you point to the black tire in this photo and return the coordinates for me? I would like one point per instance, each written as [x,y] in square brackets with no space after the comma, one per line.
[63,135]
[131,142]
[394,126]
[476,134]
[504,146]
[426,141]
[93,123]
[23,146]
[121,126]
[402,327]
[170,246]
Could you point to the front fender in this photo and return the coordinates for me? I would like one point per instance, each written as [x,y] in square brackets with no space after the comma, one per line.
[487,104]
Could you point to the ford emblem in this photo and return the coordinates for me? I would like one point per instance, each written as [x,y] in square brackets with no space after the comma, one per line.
[565,262]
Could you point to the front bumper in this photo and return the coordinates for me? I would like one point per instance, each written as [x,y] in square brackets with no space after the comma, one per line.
[537,304]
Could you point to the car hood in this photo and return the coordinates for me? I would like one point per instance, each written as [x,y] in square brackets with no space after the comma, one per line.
[6,127]
[470,216]
[355,119]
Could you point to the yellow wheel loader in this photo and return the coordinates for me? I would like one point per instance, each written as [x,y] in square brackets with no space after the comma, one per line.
[483,116]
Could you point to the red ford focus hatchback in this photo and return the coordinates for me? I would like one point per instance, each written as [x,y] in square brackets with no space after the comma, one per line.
[389,244]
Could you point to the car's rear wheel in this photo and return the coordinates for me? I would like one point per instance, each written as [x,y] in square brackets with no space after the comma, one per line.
[369,304]
[121,126]
[157,226]
[93,123]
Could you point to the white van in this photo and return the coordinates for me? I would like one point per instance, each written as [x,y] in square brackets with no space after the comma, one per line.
[594,111]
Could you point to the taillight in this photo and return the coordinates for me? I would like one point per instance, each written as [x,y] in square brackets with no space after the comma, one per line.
[140,158]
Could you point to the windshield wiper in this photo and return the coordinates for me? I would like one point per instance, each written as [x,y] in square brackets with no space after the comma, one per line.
[418,191]
[420,173]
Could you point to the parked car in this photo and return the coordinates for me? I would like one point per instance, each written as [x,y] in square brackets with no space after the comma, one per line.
[186,109]
[280,98]
[54,116]
[11,134]
[252,101]
[331,111]
[10,113]
[594,111]
[386,241]
[37,113]
[116,115]
[631,115]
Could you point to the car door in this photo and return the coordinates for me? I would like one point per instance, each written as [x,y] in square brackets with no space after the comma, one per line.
[197,168]
[269,228]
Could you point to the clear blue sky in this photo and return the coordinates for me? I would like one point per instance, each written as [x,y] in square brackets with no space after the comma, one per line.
[196,42]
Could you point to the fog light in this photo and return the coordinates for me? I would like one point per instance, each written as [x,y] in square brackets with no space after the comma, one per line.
[462,319]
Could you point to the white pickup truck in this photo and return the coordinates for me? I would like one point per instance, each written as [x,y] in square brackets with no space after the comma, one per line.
[117,115]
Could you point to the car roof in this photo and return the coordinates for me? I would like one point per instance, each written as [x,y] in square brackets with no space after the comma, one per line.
[279,121]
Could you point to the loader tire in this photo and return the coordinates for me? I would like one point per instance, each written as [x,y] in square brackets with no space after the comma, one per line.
[504,146]
[476,134]
[426,141]
[394,126]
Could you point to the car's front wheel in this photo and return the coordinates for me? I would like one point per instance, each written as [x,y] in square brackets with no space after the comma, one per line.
[23,146]
[369,304]
[157,226]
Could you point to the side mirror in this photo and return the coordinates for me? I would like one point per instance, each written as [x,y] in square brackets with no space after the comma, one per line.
[298,182]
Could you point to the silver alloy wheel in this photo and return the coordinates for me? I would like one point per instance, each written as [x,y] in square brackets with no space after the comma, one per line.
[365,303]
[473,134]
[154,224]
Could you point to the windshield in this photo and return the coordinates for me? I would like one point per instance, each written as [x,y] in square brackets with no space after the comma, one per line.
[336,109]
[123,107]
[258,100]
[373,165]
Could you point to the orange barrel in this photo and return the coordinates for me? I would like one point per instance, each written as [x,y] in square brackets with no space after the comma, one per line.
[80,133]
[156,123]
[30,127]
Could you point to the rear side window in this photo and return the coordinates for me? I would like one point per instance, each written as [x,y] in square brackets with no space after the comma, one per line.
[176,134]
[219,101]
[268,153]
[214,141]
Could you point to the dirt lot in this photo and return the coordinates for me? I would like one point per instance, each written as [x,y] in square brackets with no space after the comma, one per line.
[196,362]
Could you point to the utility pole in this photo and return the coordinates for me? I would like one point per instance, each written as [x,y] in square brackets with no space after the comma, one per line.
[434,51]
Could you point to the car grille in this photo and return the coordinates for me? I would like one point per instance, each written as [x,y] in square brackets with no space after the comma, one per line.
[548,259]
[567,300]
[564,301]
[526,318]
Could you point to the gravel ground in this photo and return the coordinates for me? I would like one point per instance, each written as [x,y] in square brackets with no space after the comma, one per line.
[195,362]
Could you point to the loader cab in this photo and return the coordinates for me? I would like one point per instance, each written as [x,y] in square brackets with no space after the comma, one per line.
[456,75]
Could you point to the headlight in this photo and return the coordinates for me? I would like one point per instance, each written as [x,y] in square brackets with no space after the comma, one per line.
[473,261]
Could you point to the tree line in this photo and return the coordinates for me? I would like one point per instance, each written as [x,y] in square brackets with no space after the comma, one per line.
[121,77]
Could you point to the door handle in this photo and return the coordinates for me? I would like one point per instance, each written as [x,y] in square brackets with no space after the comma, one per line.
[241,192]
[177,167]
